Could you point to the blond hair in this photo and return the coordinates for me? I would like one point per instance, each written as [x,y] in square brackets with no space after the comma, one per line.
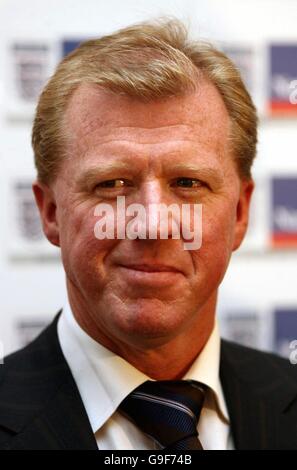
[147,61]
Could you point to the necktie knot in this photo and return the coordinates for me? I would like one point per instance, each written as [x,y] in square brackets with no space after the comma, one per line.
[168,411]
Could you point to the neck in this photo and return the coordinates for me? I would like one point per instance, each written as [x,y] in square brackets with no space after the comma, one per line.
[158,358]
[171,360]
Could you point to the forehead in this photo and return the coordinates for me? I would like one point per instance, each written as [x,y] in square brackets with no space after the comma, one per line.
[97,118]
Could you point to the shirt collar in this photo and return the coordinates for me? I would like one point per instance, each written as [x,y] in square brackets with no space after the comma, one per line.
[104,379]
[205,369]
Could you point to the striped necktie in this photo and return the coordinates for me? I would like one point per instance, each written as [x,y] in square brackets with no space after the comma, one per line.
[168,411]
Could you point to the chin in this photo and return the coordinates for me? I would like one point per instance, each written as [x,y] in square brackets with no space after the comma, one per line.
[149,322]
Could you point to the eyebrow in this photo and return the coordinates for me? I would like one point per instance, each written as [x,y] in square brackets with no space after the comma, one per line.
[90,177]
[214,174]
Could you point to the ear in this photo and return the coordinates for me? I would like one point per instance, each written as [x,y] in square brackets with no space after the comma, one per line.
[46,203]
[242,211]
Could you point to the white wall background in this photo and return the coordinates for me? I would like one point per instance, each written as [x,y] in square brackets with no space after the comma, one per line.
[255,280]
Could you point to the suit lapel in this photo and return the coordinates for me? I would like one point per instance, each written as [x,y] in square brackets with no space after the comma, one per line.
[249,415]
[48,410]
[258,397]
[63,424]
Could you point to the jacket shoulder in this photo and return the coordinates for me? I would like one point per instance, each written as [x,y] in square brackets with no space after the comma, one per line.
[256,361]
[39,357]
[29,378]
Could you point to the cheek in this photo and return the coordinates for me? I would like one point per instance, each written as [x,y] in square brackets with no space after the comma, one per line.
[219,223]
[216,249]
[218,232]
[82,252]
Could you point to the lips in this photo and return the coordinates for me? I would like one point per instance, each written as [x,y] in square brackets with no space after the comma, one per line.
[151,268]
[149,275]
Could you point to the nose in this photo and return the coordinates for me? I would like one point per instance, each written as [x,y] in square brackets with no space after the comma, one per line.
[159,213]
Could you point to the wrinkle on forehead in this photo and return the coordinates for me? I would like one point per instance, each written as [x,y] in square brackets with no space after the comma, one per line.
[110,133]
[93,107]
[96,118]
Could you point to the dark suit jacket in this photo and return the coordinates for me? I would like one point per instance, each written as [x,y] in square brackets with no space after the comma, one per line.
[40,406]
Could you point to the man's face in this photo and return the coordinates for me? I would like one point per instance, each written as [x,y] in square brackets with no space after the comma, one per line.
[170,151]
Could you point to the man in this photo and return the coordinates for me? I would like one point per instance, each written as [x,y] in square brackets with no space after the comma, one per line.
[150,116]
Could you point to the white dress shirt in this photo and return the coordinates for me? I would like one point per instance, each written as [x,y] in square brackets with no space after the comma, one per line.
[105,379]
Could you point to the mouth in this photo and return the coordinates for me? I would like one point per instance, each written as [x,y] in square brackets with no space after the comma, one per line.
[151,268]
[151,275]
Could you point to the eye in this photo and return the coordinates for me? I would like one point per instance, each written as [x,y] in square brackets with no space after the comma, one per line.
[113,184]
[189,183]
[113,188]
[116,183]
